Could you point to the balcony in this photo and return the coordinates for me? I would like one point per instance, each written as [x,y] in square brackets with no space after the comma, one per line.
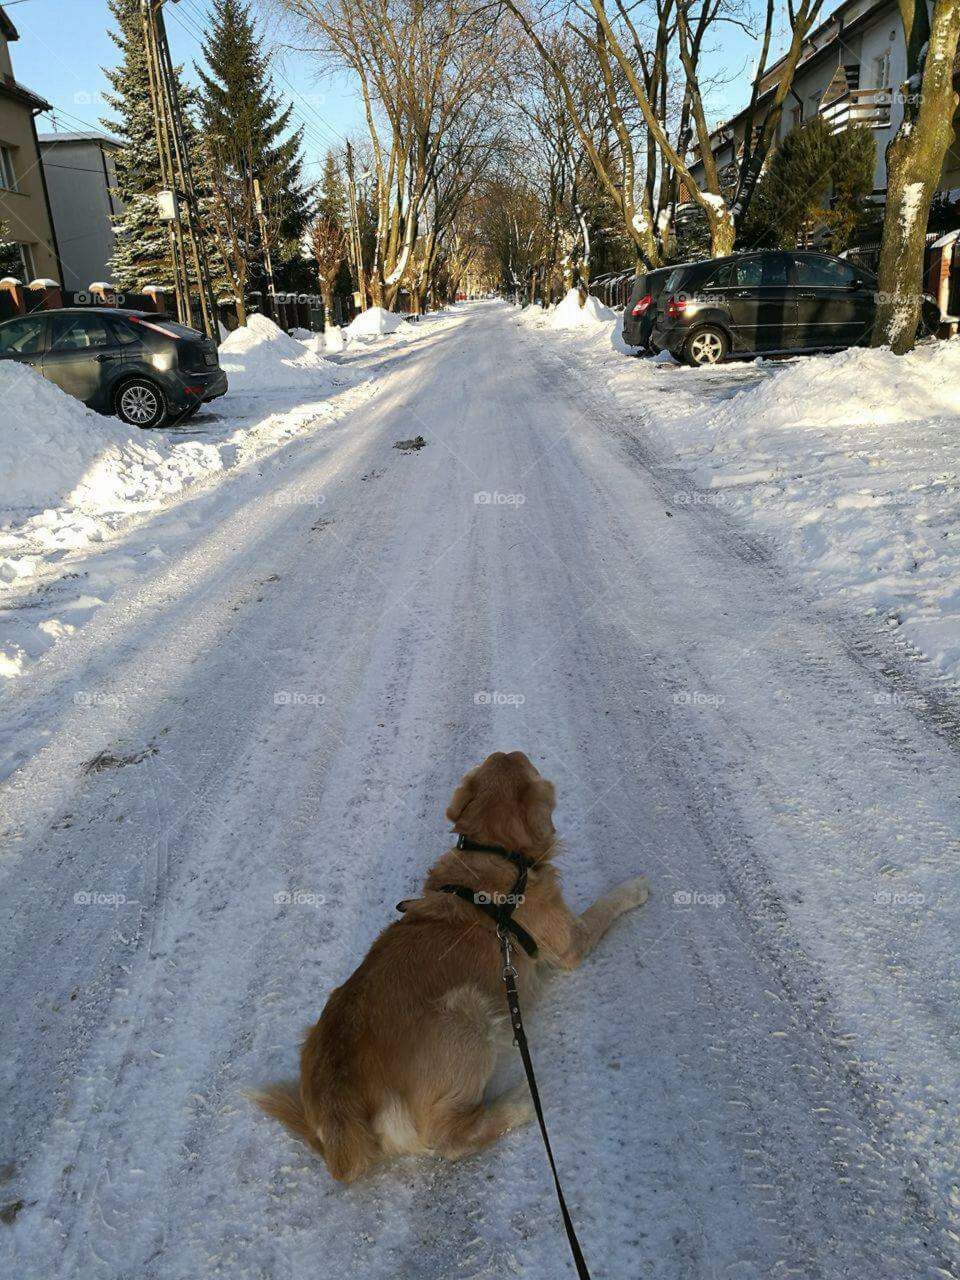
[857,106]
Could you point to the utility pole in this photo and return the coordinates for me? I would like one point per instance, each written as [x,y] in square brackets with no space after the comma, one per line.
[267,261]
[357,254]
[178,199]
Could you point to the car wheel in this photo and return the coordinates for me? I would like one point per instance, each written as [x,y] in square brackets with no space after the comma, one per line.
[141,403]
[706,346]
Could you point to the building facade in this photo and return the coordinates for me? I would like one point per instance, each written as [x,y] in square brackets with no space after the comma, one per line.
[82,183]
[29,240]
[851,71]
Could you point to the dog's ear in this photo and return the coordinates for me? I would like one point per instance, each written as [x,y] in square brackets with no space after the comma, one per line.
[539,801]
[461,798]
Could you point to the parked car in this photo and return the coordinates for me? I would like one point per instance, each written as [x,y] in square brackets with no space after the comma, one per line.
[143,367]
[772,302]
[641,309]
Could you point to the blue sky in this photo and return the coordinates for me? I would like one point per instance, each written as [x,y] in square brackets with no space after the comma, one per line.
[64,44]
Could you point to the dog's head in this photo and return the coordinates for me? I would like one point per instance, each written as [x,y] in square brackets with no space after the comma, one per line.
[505,801]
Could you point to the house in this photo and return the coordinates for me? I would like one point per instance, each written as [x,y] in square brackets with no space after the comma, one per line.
[851,71]
[29,241]
[82,183]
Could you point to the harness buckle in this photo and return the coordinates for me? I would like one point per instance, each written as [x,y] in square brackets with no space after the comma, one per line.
[509,971]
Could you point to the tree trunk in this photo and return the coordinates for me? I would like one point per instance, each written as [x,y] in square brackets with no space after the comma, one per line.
[914,163]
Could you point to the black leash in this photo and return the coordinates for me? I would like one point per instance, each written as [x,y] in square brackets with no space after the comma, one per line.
[520,1040]
[502,913]
[500,909]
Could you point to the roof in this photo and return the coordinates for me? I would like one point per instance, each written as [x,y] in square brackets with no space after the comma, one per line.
[90,135]
[7,29]
[10,88]
[815,48]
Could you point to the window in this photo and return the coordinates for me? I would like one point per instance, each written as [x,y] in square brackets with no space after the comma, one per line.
[775,271]
[8,171]
[22,337]
[881,70]
[825,273]
[750,273]
[723,278]
[796,117]
[28,262]
[124,333]
[80,332]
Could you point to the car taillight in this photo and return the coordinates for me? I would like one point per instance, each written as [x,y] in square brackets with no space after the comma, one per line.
[676,305]
[642,305]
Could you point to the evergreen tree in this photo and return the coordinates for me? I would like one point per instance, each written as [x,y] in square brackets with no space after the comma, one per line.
[329,234]
[248,138]
[814,189]
[142,252]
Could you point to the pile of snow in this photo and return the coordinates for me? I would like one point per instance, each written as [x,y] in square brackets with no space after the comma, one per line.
[48,440]
[848,463]
[859,387]
[569,314]
[531,316]
[374,323]
[260,357]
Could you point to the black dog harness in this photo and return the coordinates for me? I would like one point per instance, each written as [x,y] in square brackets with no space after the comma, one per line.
[501,913]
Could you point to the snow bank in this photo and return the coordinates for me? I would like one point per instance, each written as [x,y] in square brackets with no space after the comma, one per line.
[71,479]
[48,440]
[860,387]
[373,323]
[569,314]
[260,357]
[848,463]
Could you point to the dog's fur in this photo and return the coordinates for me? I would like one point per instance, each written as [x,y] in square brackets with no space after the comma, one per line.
[403,1051]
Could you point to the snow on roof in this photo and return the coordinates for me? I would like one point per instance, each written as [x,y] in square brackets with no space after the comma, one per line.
[89,135]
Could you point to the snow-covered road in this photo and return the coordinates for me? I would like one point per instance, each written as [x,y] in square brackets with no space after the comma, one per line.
[755,1076]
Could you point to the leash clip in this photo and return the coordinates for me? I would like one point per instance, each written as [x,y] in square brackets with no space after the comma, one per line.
[509,971]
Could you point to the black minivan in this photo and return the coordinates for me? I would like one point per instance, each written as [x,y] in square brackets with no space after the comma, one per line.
[773,302]
[141,366]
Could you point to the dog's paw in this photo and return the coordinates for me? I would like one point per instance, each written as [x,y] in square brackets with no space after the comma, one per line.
[518,1107]
[634,893]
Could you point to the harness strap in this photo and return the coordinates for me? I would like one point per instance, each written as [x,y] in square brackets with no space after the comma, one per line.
[520,1039]
[500,914]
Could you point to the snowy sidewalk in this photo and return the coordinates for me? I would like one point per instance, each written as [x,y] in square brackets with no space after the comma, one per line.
[81,494]
[849,463]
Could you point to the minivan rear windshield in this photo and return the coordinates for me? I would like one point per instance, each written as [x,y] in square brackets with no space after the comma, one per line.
[171,328]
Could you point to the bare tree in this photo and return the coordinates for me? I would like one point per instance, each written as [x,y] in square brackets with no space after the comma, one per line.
[914,162]
[422,66]
[613,33]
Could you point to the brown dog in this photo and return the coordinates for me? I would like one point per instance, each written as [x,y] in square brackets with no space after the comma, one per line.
[403,1051]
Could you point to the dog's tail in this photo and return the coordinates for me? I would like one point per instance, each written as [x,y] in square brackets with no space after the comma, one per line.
[284,1103]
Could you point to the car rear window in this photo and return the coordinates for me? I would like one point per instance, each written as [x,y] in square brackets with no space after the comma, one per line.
[172,328]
